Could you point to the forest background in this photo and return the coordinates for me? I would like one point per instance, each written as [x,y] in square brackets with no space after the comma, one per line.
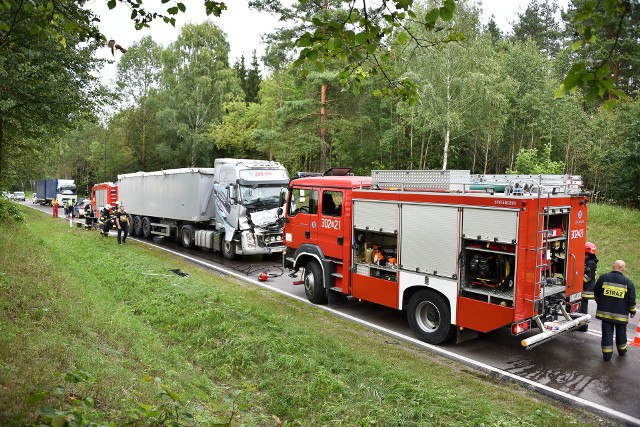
[487,102]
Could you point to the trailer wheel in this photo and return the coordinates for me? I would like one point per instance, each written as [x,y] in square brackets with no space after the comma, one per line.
[188,234]
[430,317]
[137,225]
[146,227]
[228,249]
[314,284]
[132,229]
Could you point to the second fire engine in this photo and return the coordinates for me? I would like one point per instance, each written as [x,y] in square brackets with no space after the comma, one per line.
[460,253]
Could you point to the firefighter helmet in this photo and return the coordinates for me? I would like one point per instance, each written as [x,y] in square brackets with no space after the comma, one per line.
[590,248]
[108,206]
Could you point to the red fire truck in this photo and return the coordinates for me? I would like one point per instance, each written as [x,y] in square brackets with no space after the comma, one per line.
[103,194]
[460,253]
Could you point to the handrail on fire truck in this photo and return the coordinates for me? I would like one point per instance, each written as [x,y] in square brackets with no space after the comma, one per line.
[462,181]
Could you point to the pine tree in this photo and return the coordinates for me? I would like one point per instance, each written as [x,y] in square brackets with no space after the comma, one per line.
[252,82]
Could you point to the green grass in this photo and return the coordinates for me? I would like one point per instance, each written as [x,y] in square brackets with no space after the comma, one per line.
[616,233]
[73,301]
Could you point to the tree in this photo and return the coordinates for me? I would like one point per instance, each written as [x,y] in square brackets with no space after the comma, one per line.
[196,82]
[253,80]
[138,75]
[46,76]
[529,162]
[538,23]
[606,43]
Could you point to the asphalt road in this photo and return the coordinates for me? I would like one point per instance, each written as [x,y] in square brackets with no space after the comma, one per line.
[568,368]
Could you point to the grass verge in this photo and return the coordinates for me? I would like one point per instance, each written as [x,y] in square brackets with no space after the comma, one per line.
[226,352]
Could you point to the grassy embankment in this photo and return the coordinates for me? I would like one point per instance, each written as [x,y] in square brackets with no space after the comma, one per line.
[73,302]
[616,233]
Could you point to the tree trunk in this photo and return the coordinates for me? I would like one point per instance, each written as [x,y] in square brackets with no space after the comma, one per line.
[324,146]
[447,135]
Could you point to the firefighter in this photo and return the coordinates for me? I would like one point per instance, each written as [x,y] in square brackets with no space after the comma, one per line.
[589,278]
[615,296]
[105,220]
[88,216]
[122,221]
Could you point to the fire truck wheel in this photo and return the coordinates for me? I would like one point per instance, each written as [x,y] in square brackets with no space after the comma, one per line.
[313,283]
[228,249]
[146,227]
[188,234]
[137,225]
[430,317]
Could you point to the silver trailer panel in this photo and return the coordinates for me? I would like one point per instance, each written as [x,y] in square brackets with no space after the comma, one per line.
[180,194]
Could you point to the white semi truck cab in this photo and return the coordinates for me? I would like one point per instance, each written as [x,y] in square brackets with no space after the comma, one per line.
[233,207]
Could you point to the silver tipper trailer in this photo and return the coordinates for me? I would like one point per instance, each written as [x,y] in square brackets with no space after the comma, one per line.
[237,216]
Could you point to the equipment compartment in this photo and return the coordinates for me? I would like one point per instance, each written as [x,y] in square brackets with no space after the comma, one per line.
[376,254]
[488,271]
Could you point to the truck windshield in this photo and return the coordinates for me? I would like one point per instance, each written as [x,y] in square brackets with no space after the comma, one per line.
[68,189]
[259,196]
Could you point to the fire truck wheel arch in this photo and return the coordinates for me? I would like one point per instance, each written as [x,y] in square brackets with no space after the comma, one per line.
[430,317]
[307,253]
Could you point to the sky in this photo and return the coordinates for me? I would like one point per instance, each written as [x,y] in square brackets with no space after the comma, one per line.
[243,26]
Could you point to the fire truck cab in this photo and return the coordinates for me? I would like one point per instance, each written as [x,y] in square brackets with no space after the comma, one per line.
[460,253]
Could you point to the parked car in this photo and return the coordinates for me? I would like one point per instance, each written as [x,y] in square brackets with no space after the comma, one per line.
[78,208]
[5,194]
[19,196]
[10,196]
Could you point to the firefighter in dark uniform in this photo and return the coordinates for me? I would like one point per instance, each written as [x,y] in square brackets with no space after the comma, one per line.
[122,222]
[589,278]
[616,298]
[105,220]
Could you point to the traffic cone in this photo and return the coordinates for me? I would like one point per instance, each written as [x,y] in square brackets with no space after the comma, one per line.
[636,339]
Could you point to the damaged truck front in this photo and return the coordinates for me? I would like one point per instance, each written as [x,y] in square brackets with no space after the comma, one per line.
[231,208]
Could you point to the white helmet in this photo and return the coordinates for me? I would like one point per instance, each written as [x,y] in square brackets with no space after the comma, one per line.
[108,206]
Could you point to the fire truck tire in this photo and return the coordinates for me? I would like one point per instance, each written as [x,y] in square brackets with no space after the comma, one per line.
[137,225]
[228,249]
[430,317]
[146,227]
[313,283]
[132,230]
[188,234]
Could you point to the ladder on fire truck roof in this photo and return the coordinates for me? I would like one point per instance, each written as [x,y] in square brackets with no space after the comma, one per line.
[463,181]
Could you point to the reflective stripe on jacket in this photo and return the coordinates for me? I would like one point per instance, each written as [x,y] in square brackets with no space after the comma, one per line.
[616,297]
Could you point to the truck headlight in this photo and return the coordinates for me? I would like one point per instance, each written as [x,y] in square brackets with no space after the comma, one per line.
[250,240]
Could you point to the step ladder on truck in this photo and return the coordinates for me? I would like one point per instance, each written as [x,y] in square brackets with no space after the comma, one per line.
[460,253]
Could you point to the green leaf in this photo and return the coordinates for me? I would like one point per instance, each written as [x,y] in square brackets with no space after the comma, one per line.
[182,7]
[576,45]
[560,92]
[610,104]
[111,4]
[36,397]
[403,37]
[173,10]
[446,14]
[432,16]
